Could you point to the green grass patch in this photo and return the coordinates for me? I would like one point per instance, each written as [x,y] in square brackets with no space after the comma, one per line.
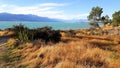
[10,56]
[115,56]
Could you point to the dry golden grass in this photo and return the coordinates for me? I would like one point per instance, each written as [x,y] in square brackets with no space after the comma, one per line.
[6,33]
[117,48]
[78,50]
[79,54]
[11,43]
[2,33]
[66,64]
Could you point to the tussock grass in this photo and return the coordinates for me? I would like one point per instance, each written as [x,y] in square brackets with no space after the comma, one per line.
[65,55]
[83,48]
[5,32]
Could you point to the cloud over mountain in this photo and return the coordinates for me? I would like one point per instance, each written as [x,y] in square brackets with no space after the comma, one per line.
[51,10]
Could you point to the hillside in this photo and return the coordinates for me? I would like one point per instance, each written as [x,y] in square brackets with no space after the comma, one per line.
[82,48]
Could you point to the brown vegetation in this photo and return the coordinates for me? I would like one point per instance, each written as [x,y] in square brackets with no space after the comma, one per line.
[77,49]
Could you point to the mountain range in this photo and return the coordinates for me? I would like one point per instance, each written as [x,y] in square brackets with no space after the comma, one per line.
[22,17]
[30,17]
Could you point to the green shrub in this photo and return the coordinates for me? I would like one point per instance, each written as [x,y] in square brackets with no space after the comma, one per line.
[116,19]
[24,34]
[47,34]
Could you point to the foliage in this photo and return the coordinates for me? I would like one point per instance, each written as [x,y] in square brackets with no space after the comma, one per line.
[105,19]
[22,33]
[95,15]
[95,24]
[47,34]
[116,19]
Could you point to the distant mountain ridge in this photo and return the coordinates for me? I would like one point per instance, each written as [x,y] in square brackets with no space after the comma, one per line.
[76,20]
[82,20]
[23,17]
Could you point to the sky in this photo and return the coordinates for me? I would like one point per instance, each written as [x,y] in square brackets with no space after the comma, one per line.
[59,9]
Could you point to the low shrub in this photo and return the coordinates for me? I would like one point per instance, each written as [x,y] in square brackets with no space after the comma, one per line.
[24,34]
[21,32]
[47,34]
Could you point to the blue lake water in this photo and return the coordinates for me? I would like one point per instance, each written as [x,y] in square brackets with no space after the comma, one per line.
[54,25]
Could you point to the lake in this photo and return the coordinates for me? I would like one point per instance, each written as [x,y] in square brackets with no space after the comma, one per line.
[54,25]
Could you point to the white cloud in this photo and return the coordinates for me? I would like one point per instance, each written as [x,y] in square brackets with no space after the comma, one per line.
[52,4]
[2,7]
[45,9]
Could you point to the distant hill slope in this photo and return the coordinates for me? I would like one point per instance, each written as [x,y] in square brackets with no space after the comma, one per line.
[76,20]
[22,17]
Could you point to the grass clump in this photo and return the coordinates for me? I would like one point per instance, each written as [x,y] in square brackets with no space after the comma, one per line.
[10,56]
[12,43]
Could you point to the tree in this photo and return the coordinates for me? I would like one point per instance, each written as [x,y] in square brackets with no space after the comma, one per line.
[95,16]
[105,19]
[116,19]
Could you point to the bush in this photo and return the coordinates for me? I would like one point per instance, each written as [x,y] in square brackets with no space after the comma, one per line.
[116,19]
[47,34]
[22,33]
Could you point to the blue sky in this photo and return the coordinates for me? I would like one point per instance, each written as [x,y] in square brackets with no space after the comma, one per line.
[60,9]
